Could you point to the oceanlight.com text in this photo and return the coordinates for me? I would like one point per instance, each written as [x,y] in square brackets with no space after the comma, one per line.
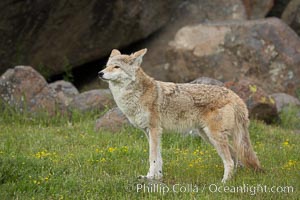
[211,188]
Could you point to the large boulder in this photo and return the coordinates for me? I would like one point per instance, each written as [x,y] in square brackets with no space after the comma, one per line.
[267,51]
[24,88]
[291,15]
[56,35]
[188,13]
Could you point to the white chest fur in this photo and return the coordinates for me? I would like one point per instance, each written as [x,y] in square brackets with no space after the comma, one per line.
[128,100]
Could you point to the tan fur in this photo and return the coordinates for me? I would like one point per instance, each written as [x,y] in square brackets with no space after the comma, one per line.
[154,106]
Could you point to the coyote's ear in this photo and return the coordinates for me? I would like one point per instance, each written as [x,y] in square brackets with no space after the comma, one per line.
[115,52]
[137,57]
[140,53]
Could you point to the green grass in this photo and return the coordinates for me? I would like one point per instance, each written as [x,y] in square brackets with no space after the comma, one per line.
[61,158]
[290,117]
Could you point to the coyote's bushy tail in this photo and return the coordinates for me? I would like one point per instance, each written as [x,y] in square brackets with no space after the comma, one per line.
[241,140]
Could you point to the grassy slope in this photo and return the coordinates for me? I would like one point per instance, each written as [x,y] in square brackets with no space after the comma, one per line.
[61,159]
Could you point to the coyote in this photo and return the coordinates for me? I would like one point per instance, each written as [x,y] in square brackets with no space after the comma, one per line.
[154,106]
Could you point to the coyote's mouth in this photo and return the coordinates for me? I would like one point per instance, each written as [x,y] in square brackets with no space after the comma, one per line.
[104,79]
[100,75]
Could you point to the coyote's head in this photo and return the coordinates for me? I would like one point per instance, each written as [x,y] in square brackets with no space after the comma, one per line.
[122,68]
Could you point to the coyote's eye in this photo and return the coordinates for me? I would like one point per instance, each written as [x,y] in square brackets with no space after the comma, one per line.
[116,67]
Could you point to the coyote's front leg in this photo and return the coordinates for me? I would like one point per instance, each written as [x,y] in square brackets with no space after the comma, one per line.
[155,159]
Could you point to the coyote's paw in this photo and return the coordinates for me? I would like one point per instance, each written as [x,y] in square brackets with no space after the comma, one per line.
[156,176]
[142,177]
[224,180]
[227,177]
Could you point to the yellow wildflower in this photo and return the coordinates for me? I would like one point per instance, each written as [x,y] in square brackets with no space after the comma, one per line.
[286,143]
[111,149]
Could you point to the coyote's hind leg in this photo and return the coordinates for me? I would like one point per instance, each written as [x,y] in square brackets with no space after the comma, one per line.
[220,141]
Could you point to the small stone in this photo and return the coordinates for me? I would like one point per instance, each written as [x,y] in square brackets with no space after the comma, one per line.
[112,121]
[283,100]
[66,91]
[93,100]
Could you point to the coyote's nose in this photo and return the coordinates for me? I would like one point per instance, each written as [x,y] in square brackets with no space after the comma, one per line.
[100,74]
